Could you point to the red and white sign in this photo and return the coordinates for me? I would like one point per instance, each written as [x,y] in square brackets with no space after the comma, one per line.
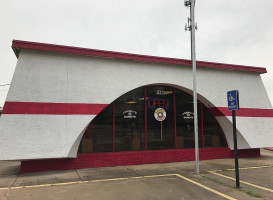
[160,114]
[158,103]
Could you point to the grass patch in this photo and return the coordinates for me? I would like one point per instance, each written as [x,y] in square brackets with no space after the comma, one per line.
[249,192]
[214,180]
[253,194]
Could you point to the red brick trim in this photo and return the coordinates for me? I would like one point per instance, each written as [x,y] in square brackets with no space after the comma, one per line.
[132,158]
[17,45]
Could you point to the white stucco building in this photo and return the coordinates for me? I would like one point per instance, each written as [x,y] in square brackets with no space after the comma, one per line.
[57,91]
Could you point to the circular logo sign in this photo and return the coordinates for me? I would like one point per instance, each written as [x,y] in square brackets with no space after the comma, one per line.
[160,114]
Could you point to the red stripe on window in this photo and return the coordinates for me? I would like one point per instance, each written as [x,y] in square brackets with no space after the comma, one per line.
[242,112]
[38,108]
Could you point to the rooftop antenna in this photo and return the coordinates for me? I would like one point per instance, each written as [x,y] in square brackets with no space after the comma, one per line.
[191,26]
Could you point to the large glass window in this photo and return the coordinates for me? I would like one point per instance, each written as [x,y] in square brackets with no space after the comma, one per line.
[151,118]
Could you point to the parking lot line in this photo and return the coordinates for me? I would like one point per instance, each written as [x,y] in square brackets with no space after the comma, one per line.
[133,177]
[242,168]
[42,185]
[247,183]
[205,187]
[89,181]
[126,178]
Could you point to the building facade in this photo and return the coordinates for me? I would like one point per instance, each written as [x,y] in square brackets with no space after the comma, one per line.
[80,107]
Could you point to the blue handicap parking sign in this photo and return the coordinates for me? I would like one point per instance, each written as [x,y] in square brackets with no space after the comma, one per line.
[233,100]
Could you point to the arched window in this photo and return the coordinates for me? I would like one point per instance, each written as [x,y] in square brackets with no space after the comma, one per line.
[151,118]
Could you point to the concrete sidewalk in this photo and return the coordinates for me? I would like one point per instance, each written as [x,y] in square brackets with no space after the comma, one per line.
[11,178]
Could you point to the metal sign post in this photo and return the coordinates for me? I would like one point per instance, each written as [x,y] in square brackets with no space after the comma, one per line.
[233,104]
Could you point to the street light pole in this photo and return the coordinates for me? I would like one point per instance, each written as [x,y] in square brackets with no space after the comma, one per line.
[191,26]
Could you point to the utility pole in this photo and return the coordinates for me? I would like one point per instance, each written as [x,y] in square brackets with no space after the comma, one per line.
[190,26]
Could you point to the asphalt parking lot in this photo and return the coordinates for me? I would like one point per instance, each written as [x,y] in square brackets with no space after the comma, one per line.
[153,181]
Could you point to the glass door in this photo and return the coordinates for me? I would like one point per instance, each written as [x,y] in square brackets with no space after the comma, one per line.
[160,117]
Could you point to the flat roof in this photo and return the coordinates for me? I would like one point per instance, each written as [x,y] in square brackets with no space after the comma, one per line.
[17,45]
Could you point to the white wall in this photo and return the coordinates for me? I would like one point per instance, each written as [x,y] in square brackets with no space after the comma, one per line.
[64,78]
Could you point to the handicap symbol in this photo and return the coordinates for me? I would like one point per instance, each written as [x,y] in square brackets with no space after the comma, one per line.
[231,98]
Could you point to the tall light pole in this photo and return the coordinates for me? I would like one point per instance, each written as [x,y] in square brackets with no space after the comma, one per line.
[191,27]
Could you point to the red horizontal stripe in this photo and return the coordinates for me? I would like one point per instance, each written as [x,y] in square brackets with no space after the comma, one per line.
[94,109]
[38,108]
[242,112]
[17,45]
